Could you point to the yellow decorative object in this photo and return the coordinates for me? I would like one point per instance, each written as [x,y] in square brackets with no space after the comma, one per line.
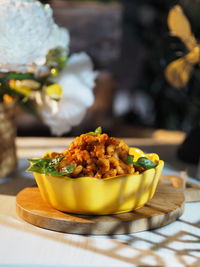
[19,87]
[89,195]
[55,91]
[178,72]
[24,87]
[136,153]
[153,156]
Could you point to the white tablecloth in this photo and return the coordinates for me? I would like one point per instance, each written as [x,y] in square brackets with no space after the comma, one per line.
[177,244]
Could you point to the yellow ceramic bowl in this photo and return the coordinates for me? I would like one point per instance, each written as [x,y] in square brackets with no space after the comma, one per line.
[88,195]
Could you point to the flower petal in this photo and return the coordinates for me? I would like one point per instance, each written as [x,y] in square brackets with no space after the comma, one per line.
[80,65]
[69,114]
[77,81]
[27,41]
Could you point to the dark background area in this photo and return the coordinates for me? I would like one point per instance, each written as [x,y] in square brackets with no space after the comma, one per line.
[130,45]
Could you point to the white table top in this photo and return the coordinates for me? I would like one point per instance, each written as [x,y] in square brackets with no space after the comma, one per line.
[177,244]
[21,243]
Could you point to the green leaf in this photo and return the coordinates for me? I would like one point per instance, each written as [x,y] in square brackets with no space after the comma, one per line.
[142,162]
[20,76]
[32,160]
[130,160]
[68,169]
[49,165]
[146,163]
[39,165]
[98,130]
[65,171]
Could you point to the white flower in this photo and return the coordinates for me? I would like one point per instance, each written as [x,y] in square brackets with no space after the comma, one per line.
[27,33]
[77,81]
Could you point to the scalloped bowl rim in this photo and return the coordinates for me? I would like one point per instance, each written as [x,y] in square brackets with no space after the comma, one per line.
[65,177]
[90,194]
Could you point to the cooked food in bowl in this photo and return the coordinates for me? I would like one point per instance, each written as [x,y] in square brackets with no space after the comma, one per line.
[97,174]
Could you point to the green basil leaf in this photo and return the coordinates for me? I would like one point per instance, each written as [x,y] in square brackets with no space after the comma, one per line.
[65,171]
[33,160]
[40,161]
[98,130]
[142,162]
[39,165]
[146,163]
[130,160]
[92,133]
[49,165]
[54,163]
[68,169]
[20,76]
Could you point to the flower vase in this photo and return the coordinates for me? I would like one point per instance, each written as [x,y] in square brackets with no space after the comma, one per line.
[8,159]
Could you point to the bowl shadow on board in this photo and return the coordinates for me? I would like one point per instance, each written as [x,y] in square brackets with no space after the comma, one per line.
[121,223]
[111,224]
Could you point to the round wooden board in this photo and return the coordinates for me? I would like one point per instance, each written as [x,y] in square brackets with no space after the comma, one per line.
[165,207]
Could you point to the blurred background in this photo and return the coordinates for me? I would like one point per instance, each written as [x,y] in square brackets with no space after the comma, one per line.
[130,45]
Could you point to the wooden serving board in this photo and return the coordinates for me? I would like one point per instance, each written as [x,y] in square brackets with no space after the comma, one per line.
[165,207]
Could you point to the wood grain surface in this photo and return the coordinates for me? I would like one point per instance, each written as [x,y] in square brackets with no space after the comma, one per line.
[192,192]
[165,207]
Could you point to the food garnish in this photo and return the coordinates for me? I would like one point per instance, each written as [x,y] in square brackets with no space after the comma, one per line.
[49,166]
[97,155]
[142,162]
[98,130]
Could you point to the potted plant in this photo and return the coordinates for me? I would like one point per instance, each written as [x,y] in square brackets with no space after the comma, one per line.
[37,72]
